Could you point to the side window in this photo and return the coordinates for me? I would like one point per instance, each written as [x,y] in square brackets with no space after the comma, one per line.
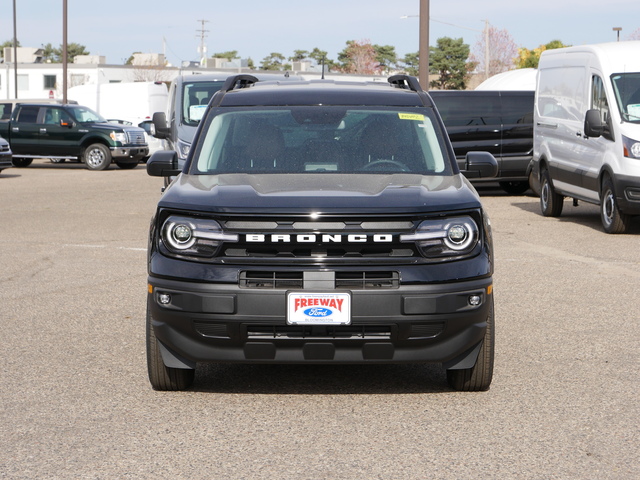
[5,111]
[599,98]
[51,116]
[468,110]
[28,114]
[517,109]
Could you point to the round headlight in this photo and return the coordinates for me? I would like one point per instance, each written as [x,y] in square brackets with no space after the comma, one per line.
[460,235]
[181,233]
[457,234]
[635,149]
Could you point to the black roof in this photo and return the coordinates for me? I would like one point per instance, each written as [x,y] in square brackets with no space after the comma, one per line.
[403,92]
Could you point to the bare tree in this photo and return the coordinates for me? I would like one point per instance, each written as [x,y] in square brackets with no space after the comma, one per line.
[500,55]
[149,68]
[635,35]
[359,57]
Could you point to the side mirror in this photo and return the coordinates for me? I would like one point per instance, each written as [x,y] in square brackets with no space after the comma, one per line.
[67,123]
[593,126]
[480,165]
[163,164]
[160,125]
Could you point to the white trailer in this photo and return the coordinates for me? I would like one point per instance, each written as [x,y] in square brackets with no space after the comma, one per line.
[134,102]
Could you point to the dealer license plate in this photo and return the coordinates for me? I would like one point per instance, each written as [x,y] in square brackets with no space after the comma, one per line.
[313,308]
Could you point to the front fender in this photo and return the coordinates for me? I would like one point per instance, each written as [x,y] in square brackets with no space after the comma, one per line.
[93,137]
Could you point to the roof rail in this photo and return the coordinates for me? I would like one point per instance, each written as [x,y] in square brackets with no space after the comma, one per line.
[238,81]
[405,81]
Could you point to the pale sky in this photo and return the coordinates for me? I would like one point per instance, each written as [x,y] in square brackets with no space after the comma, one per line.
[256,28]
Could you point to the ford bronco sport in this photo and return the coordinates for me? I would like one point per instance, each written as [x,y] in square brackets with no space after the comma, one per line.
[320,222]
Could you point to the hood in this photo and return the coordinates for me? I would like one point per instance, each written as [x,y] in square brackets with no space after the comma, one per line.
[111,126]
[320,193]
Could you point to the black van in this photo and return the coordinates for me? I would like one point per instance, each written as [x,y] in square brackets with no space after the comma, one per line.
[499,122]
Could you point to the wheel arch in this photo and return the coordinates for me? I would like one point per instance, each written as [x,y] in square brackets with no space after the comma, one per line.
[605,171]
[93,139]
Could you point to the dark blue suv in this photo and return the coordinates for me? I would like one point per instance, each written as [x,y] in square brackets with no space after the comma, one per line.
[320,222]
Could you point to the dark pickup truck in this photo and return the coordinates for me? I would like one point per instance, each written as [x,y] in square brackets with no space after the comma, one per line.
[74,132]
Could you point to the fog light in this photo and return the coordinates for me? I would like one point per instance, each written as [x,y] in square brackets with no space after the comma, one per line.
[164,298]
[475,300]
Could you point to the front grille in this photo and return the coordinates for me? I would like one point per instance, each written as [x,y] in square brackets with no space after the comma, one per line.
[332,238]
[135,137]
[318,332]
[217,330]
[271,280]
[283,280]
[427,330]
[367,280]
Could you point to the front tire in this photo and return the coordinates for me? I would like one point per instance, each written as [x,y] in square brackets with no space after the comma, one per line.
[550,202]
[97,157]
[478,378]
[613,220]
[21,162]
[162,377]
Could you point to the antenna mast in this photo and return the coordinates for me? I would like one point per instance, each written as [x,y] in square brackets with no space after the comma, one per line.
[202,49]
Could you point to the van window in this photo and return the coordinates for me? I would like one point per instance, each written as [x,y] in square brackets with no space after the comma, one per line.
[469,110]
[517,109]
[626,87]
[195,98]
[599,98]
[561,93]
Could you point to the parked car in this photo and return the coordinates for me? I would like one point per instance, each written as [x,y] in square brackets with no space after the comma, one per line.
[71,132]
[587,130]
[320,222]
[499,122]
[5,154]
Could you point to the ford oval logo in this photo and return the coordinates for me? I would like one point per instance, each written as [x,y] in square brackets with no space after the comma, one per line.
[317,312]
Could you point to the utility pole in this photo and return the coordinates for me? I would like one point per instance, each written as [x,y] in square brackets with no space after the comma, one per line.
[64,51]
[202,49]
[423,53]
[15,53]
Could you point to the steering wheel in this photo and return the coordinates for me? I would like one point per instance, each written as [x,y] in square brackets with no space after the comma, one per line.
[377,163]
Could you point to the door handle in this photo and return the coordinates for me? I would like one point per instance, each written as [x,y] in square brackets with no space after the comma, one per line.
[43,130]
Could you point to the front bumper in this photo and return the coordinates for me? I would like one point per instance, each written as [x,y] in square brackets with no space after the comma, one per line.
[131,153]
[627,190]
[432,323]
[5,160]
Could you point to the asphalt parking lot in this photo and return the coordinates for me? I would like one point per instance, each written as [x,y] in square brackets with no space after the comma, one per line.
[76,402]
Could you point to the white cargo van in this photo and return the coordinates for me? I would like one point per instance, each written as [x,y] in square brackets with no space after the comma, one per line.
[587,130]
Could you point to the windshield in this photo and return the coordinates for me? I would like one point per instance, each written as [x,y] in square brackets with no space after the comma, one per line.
[627,91]
[322,140]
[86,115]
[195,98]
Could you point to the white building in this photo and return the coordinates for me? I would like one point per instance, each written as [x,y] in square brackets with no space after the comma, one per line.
[44,80]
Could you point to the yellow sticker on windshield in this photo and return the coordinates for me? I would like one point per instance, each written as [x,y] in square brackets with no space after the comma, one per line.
[411,116]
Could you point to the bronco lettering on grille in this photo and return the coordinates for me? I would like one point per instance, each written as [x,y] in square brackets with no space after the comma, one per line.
[318,238]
